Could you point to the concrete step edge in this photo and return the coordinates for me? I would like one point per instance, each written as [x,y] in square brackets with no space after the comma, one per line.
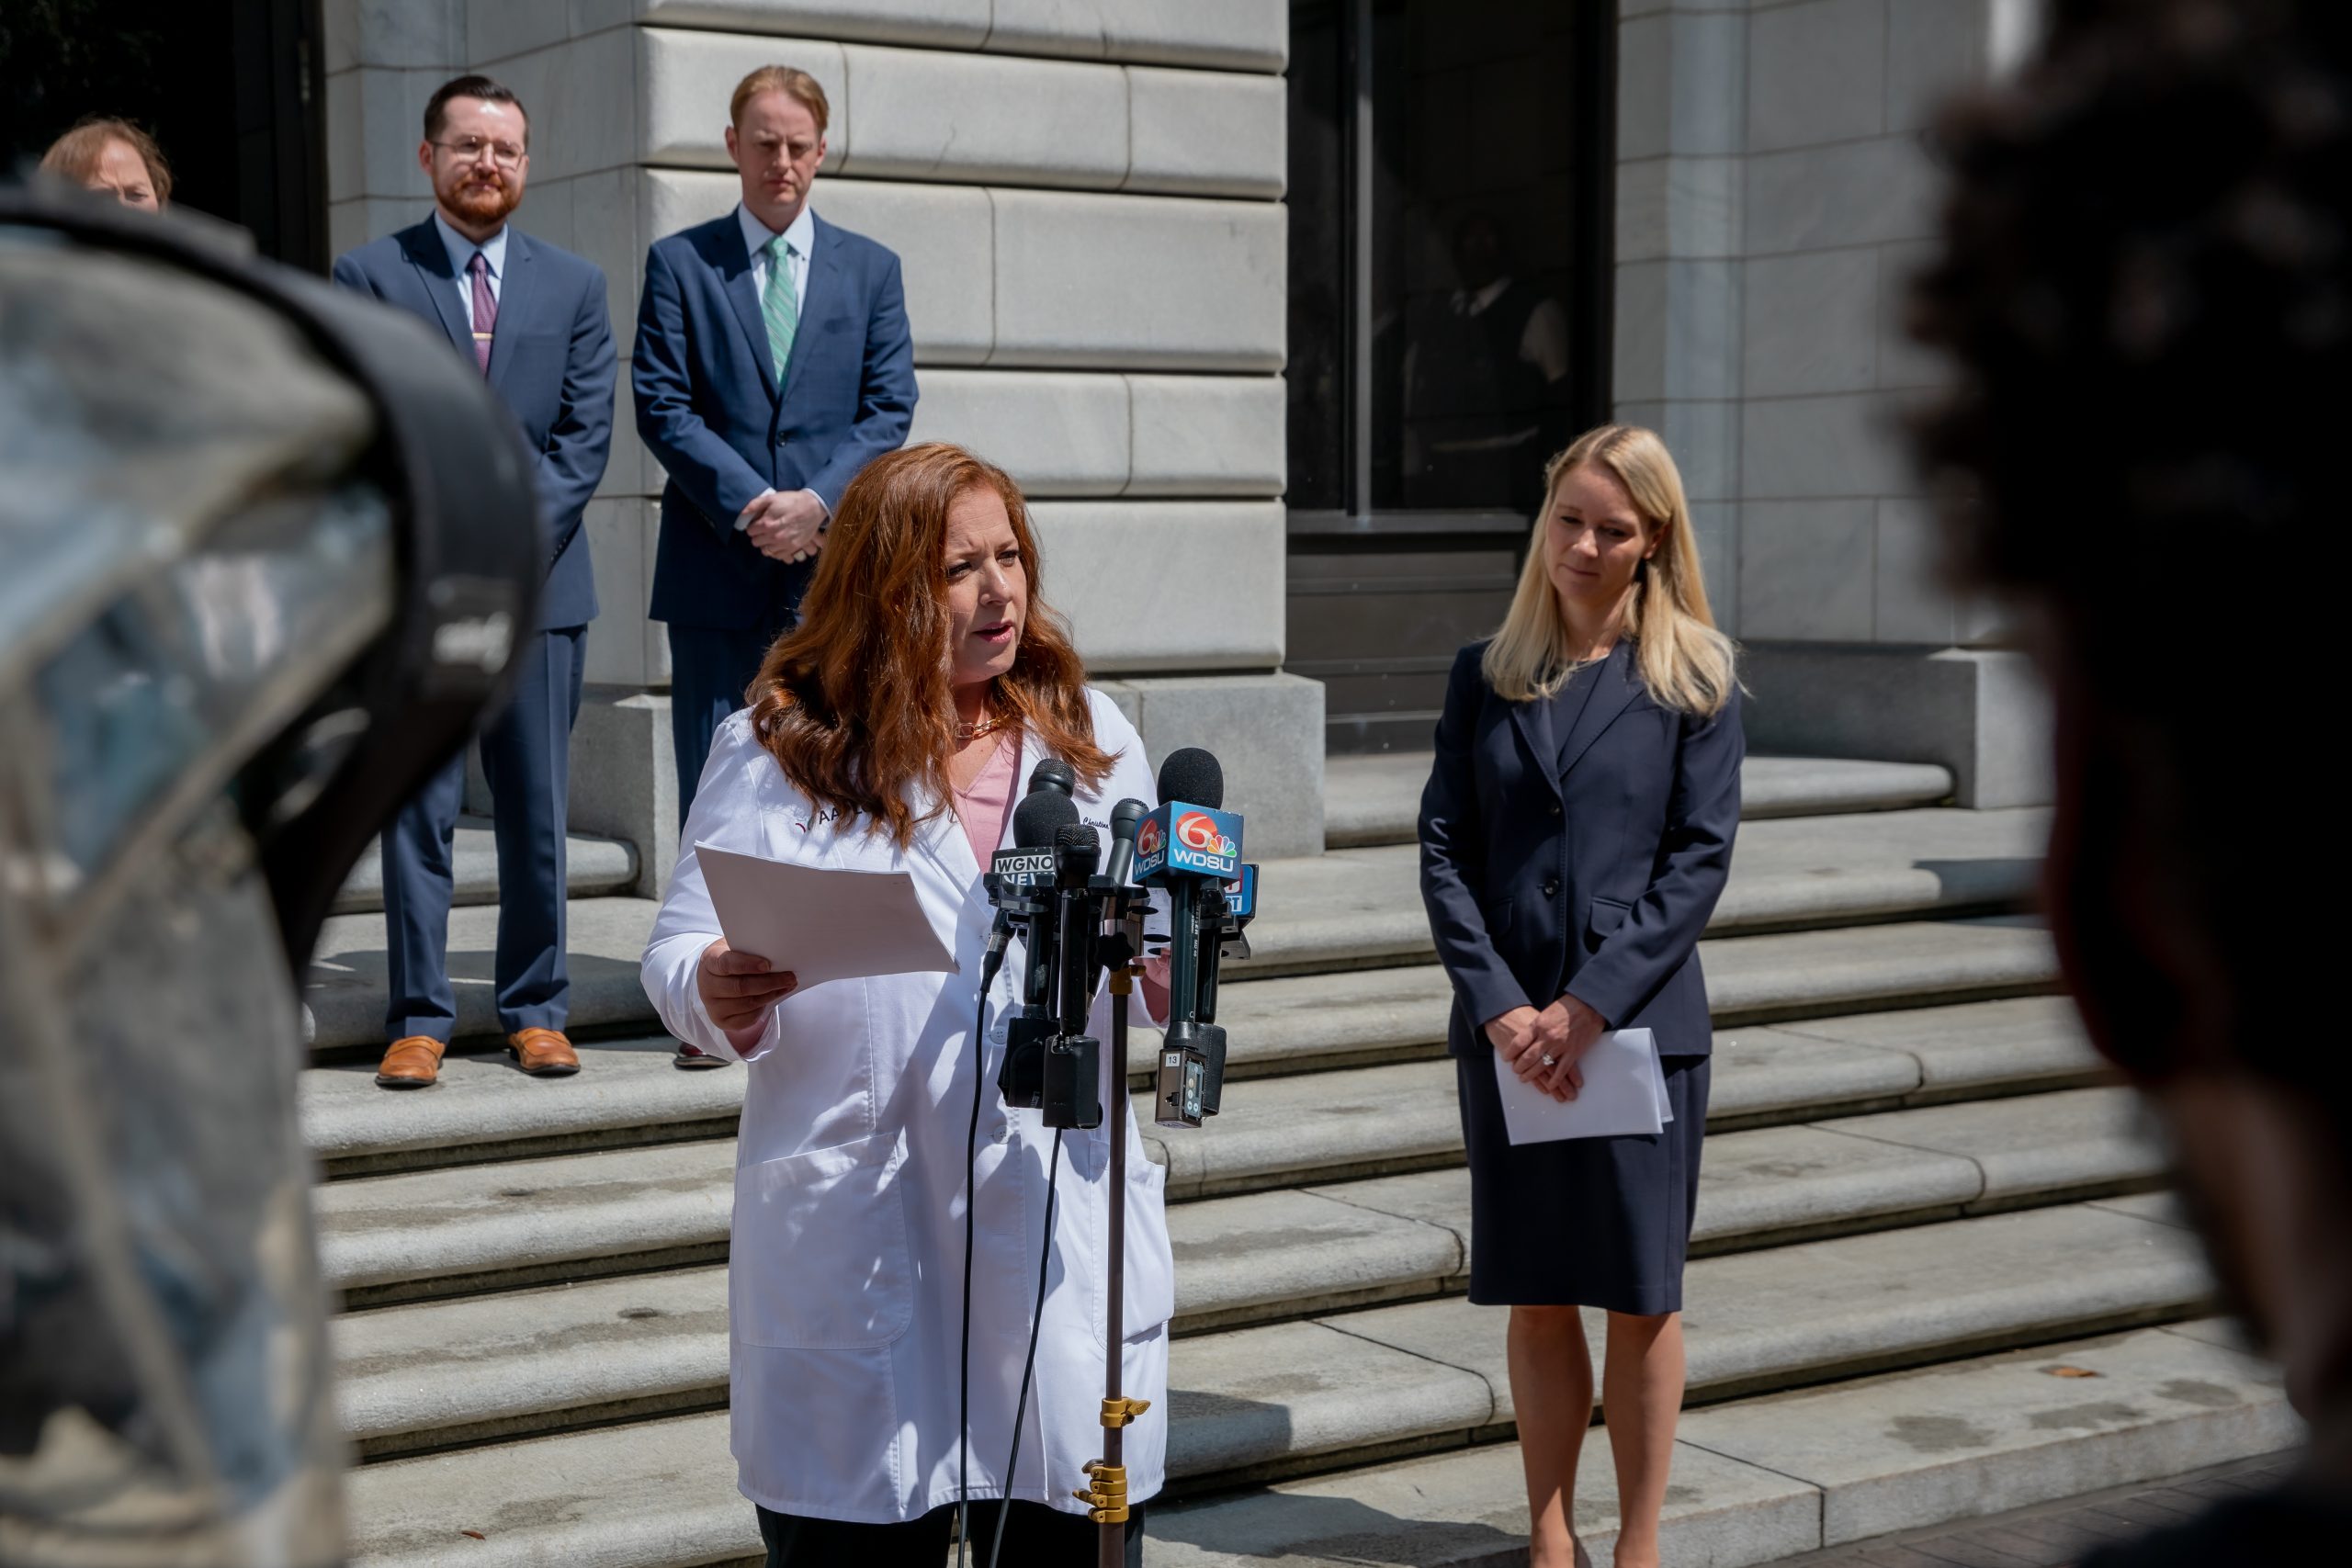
[446,1231]
[628,1093]
[650,1496]
[1376,800]
[501,1362]
[594,867]
[1354,911]
[1757,1481]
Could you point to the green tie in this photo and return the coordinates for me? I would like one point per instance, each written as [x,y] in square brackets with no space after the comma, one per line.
[781,305]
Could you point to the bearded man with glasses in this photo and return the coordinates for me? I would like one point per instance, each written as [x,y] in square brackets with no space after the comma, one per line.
[533,318]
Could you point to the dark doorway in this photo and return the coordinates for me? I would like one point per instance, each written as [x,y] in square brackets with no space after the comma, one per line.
[1450,217]
[231,89]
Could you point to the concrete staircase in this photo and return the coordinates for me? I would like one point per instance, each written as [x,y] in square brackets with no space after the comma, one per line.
[1933,1275]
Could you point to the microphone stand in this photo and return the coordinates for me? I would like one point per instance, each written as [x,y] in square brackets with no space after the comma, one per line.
[1106,1489]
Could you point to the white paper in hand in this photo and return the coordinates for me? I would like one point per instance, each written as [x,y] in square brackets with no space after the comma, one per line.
[822,923]
[1623,1094]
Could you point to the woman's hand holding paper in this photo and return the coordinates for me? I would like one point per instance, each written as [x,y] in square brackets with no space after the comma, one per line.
[1564,1032]
[738,989]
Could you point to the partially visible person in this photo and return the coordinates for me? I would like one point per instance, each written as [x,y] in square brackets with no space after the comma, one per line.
[1576,833]
[1485,382]
[534,318]
[2145,282]
[773,362]
[104,153]
[759,425]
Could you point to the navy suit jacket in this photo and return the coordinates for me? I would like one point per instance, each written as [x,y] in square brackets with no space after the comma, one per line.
[1584,862]
[551,363]
[710,407]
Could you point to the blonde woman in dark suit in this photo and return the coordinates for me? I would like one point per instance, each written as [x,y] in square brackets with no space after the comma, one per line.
[1576,834]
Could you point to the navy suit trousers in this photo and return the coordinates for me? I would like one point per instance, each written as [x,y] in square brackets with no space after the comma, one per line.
[527,754]
[711,668]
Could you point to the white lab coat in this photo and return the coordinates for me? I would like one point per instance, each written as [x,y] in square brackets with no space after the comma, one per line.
[846,1276]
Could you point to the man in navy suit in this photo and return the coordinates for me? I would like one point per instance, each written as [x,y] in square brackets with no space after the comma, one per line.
[534,318]
[773,362]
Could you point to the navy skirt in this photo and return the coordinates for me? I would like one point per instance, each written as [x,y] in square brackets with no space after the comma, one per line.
[1582,1222]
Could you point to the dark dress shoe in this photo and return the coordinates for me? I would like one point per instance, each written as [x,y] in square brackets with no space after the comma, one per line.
[543,1053]
[691,1060]
[413,1061]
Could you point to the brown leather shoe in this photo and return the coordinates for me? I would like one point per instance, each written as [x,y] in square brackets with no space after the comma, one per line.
[543,1053]
[413,1061]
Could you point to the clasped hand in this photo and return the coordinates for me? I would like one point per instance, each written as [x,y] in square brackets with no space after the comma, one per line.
[785,524]
[738,989]
[1564,1032]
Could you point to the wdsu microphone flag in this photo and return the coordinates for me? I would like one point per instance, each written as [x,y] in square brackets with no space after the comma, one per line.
[1182,840]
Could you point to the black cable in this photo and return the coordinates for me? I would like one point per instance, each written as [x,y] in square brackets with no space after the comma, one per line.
[1036,1322]
[971,1203]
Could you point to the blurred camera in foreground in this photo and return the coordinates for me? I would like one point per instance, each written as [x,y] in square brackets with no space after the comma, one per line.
[264,552]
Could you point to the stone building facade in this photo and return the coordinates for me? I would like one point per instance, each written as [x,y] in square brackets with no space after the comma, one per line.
[1090,199]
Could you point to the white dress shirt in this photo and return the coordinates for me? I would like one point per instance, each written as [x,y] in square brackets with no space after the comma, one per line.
[798,235]
[462,255]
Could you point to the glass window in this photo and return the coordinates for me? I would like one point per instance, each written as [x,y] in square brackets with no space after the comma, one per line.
[1484,169]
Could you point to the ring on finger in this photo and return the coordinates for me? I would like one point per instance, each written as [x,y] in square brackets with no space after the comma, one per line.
[1549,1060]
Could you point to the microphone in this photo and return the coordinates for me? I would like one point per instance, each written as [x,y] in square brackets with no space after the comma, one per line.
[1054,774]
[1070,1094]
[1020,883]
[1126,817]
[1192,848]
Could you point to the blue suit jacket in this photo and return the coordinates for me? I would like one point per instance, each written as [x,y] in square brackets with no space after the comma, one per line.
[708,406]
[551,363]
[1582,858]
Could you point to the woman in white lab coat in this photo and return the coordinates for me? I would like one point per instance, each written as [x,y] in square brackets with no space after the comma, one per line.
[893,730]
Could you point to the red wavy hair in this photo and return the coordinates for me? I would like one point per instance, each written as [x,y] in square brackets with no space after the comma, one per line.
[855,702]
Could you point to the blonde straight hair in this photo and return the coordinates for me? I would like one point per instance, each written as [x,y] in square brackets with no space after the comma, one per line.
[1686,664]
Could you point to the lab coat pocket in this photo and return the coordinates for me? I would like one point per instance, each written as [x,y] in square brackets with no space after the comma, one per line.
[819,1259]
[1149,1299]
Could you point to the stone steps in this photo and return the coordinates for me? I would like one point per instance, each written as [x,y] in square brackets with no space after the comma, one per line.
[591,867]
[509,1361]
[1353,909]
[629,1093]
[1913,1158]
[438,1227]
[1377,799]
[1366,1386]
[1762,1480]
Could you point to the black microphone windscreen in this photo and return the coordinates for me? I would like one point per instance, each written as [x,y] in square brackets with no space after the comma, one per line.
[1039,816]
[1055,772]
[1077,850]
[1193,776]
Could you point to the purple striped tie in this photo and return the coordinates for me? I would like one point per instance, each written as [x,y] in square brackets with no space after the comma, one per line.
[485,309]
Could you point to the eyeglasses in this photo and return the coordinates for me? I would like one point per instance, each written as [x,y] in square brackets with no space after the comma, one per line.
[505,154]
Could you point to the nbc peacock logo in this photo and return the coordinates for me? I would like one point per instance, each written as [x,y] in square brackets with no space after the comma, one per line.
[1197,831]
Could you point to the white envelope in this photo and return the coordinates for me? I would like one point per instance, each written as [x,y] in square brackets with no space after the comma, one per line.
[822,923]
[1623,1094]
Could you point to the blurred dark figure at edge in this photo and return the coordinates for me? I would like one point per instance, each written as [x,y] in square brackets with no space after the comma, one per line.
[1486,383]
[2146,281]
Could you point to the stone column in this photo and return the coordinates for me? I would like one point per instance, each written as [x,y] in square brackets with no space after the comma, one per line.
[1776,194]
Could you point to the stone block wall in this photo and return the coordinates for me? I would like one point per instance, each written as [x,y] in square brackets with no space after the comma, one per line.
[1776,190]
[1086,199]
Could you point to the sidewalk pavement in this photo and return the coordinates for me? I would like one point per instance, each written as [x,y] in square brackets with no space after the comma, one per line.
[2053,1535]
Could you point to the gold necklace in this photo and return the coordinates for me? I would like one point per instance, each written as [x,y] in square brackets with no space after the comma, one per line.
[968,733]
